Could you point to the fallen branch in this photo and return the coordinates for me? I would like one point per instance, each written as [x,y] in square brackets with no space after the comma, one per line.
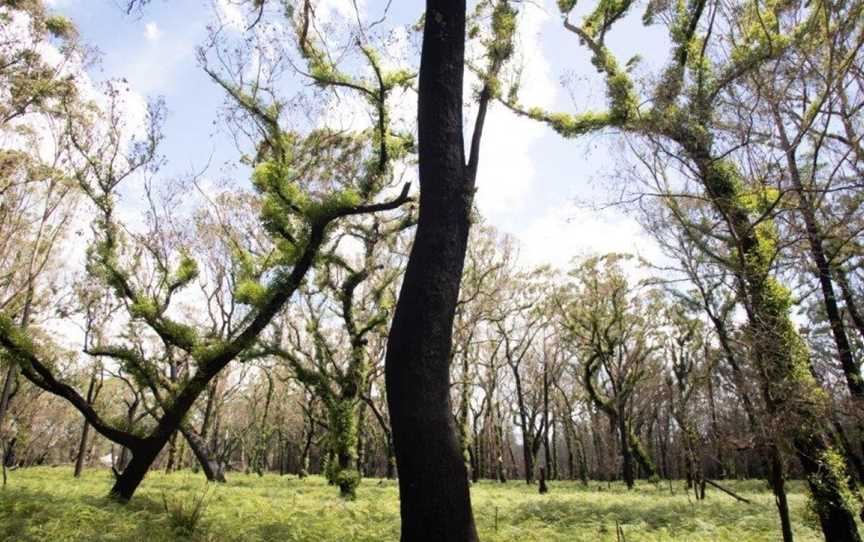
[728,492]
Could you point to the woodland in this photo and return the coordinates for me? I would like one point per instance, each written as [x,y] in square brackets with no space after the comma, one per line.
[333,342]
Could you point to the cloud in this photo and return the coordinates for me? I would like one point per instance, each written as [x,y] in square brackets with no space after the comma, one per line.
[327,10]
[507,168]
[230,14]
[152,31]
[568,231]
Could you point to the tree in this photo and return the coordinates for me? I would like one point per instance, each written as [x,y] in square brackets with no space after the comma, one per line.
[418,353]
[613,331]
[299,200]
[682,110]
[517,322]
[37,199]
[336,363]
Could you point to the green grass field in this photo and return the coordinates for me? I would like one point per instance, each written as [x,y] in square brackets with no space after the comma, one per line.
[48,504]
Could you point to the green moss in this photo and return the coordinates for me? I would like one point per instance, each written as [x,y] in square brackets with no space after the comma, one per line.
[398,78]
[60,26]
[571,125]
[342,444]
[250,292]
[604,15]
[759,200]
[184,335]
[831,484]
[622,98]
[21,343]
[503,29]
[209,350]
[187,271]
[144,308]
[566,6]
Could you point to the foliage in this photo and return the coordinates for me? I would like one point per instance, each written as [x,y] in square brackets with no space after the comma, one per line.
[46,504]
[184,515]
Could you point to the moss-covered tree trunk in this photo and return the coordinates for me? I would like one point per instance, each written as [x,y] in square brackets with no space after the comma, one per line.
[343,470]
[792,396]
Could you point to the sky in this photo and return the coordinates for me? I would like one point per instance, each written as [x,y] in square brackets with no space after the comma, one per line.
[529,179]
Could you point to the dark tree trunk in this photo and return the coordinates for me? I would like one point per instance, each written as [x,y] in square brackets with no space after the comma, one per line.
[82,450]
[583,462]
[778,485]
[857,466]
[715,431]
[92,391]
[212,469]
[626,453]
[547,453]
[172,452]
[528,436]
[849,299]
[543,488]
[6,394]
[780,353]
[128,481]
[568,445]
[433,482]
[823,270]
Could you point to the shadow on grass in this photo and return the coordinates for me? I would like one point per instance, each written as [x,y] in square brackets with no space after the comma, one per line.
[28,514]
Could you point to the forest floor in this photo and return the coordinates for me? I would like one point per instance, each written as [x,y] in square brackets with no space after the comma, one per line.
[48,504]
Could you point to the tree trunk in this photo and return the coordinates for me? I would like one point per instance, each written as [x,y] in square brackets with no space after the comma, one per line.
[342,469]
[625,453]
[128,481]
[543,488]
[568,445]
[172,452]
[85,431]
[82,449]
[212,469]
[792,396]
[6,394]
[433,483]
[849,299]
[778,484]
[823,270]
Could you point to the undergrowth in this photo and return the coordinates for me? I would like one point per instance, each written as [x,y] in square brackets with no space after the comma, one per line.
[48,504]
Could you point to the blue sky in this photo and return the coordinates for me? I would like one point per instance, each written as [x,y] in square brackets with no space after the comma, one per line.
[528,177]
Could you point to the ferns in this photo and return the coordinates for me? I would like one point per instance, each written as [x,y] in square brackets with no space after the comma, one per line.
[48,504]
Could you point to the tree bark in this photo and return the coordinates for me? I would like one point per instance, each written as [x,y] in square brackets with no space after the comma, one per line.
[6,394]
[82,450]
[128,481]
[92,391]
[779,351]
[626,453]
[433,482]
[212,470]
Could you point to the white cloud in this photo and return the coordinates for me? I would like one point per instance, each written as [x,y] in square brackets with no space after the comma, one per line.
[152,31]
[327,10]
[230,14]
[568,231]
[507,171]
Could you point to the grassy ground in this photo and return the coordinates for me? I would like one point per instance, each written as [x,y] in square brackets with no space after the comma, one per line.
[48,504]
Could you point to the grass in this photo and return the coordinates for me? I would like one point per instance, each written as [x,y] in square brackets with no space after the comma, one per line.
[48,504]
